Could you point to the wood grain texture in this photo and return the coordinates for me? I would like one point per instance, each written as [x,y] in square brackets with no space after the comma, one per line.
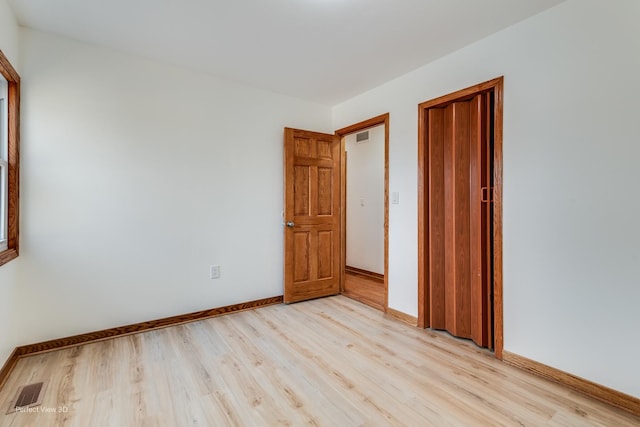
[7,255]
[365,289]
[313,247]
[386,210]
[486,224]
[343,211]
[403,317]
[600,392]
[436,219]
[477,140]
[382,119]
[13,159]
[456,189]
[325,362]
[365,124]
[458,277]
[7,70]
[498,94]
[480,228]
[424,207]
[495,87]
[377,277]
[8,367]
[449,233]
[136,328]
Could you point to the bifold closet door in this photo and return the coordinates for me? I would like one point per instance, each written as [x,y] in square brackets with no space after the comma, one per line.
[459,193]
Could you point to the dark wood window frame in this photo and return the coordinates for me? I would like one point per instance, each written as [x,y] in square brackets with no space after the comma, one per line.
[13,158]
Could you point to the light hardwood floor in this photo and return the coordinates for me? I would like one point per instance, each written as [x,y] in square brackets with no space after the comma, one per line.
[327,362]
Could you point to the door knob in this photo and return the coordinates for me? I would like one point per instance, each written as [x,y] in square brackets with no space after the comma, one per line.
[290,223]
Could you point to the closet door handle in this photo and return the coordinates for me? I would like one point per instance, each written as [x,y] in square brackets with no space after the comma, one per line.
[486,194]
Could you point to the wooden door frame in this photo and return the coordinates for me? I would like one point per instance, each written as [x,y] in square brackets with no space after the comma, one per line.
[382,119]
[495,85]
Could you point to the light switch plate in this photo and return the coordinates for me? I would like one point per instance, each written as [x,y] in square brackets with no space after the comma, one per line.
[214,272]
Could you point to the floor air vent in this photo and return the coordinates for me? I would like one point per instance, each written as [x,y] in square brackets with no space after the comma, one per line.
[27,396]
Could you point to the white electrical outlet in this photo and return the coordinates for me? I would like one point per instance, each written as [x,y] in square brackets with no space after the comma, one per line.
[214,272]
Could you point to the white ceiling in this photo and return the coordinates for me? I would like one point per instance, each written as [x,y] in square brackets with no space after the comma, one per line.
[320,50]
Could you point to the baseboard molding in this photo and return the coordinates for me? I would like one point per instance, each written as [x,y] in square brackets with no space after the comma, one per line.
[403,317]
[8,367]
[365,273]
[136,328]
[605,394]
[364,301]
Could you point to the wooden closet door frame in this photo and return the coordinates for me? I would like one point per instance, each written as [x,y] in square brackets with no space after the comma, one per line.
[495,86]
[382,119]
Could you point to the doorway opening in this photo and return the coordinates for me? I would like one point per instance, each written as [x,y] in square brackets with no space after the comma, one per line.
[460,214]
[365,211]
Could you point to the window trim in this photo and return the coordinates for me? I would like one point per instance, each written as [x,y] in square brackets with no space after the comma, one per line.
[13,158]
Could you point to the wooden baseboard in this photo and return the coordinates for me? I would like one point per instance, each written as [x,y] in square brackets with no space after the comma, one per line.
[365,301]
[403,317]
[605,394]
[365,273]
[8,367]
[136,328]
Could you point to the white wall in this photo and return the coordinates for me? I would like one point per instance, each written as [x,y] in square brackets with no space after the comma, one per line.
[8,272]
[365,201]
[571,205]
[137,176]
[8,33]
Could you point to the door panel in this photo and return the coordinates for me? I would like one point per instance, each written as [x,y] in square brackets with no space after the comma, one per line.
[477,181]
[325,254]
[301,244]
[458,232]
[311,212]
[487,220]
[456,189]
[301,190]
[325,191]
[436,240]
[480,229]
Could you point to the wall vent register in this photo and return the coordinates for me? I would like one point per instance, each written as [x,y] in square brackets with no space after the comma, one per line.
[362,137]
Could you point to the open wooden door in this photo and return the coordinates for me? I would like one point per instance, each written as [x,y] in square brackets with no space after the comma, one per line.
[311,215]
